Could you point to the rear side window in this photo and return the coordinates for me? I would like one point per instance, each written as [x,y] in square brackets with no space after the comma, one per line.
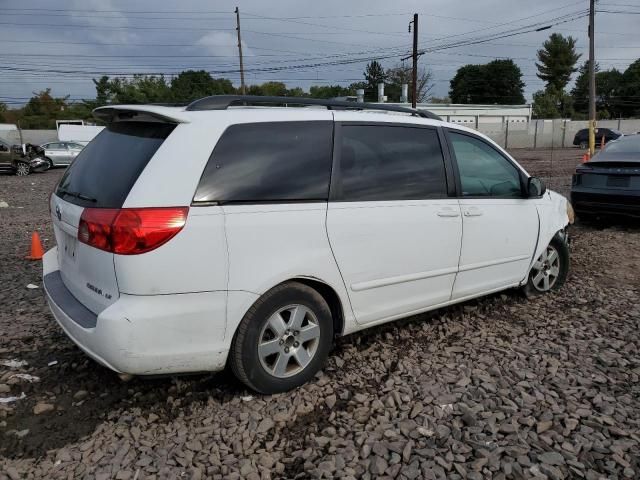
[269,162]
[380,162]
[104,172]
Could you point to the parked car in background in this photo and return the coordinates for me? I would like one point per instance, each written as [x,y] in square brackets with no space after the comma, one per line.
[609,184]
[220,234]
[61,153]
[582,137]
[22,159]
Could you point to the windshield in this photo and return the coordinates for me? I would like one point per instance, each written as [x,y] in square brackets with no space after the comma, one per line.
[105,170]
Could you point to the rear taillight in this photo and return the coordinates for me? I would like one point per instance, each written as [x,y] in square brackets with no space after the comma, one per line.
[130,231]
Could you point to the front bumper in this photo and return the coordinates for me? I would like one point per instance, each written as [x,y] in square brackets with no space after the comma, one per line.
[143,335]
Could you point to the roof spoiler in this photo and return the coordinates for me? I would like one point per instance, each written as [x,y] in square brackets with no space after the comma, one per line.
[113,113]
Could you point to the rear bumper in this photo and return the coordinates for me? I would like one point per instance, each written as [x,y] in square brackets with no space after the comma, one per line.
[605,202]
[144,335]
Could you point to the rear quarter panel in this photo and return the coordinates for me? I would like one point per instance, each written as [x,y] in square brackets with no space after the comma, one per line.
[269,244]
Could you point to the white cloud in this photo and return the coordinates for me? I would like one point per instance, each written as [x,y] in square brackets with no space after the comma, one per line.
[223,43]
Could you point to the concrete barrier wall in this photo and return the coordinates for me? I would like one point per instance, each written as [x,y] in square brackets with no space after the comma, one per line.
[36,137]
[549,133]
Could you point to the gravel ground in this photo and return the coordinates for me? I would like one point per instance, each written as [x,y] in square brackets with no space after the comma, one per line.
[501,387]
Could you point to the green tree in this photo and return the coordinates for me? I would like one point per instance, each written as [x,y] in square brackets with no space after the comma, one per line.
[139,89]
[468,85]
[191,85]
[3,109]
[275,89]
[557,61]
[278,89]
[42,110]
[629,91]
[608,86]
[373,75]
[328,91]
[296,92]
[104,93]
[550,103]
[580,91]
[497,82]
[505,83]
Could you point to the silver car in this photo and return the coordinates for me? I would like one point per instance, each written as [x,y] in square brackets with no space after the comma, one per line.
[61,153]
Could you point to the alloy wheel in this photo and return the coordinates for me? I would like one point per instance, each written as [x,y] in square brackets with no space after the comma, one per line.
[22,169]
[546,270]
[288,341]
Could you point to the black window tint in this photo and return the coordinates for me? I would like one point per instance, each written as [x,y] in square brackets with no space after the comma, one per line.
[380,162]
[106,169]
[483,170]
[268,162]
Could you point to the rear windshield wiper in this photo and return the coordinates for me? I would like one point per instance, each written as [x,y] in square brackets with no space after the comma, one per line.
[77,195]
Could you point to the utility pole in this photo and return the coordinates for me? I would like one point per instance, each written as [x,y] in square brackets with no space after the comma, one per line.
[414,85]
[242,86]
[592,78]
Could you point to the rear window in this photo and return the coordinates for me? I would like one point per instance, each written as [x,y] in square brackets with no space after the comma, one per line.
[269,162]
[626,145]
[104,172]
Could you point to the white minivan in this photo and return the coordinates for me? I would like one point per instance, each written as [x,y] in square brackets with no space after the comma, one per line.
[233,233]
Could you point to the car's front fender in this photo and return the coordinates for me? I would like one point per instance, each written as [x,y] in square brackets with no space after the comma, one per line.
[553,216]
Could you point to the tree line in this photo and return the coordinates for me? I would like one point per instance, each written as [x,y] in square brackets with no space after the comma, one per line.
[500,82]
[496,82]
[43,109]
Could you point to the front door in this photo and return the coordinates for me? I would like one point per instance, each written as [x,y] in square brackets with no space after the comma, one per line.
[5,155]
[393,230]
[500,225]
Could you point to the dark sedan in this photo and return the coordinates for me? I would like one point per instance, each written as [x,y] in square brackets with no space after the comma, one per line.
[609,184]
[582,137]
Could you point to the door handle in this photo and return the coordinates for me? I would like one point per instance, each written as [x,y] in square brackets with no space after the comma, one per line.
[472,212]
[448,212]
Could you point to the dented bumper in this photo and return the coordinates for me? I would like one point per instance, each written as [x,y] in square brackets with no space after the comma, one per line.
[143,335]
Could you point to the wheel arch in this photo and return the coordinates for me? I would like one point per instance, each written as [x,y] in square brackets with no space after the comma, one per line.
[239,303]
[553,217]
[331,297]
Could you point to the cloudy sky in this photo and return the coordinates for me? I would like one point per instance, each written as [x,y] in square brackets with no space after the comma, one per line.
[63,44]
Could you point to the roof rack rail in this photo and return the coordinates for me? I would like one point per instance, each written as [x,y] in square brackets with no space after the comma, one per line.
[222,102]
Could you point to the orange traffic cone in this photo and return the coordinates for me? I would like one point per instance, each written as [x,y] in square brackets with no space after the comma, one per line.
[585,158]
[36,248]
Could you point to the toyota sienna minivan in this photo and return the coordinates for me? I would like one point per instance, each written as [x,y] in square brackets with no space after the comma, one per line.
[247,232]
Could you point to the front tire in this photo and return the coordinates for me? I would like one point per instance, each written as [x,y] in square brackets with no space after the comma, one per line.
[51,165]
[584,145]
[549,271]
[283,340]
[22,169]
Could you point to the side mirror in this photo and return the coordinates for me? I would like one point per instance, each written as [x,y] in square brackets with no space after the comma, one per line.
[535,187]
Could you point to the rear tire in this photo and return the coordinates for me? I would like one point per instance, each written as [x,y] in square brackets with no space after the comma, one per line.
[550,270]
[283,340]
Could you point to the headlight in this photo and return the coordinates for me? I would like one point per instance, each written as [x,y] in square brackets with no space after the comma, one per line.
[570,213]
